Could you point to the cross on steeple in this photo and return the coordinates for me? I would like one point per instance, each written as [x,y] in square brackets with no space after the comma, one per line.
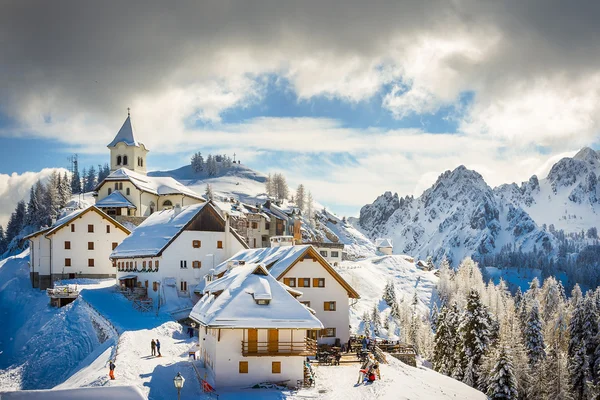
[128,112]
[233,157]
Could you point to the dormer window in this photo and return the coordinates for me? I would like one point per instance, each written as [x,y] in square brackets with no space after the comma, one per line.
[263,302]
[119,160]
[124,160]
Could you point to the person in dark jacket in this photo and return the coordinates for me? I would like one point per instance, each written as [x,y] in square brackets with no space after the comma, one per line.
[111,367]
[153,347]
[158,348]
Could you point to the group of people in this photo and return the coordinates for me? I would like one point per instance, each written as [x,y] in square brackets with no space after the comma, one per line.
[155,347]
[369,371]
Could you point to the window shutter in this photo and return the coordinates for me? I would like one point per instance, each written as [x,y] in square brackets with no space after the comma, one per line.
[276,367]
[300,282]
[286,281]
[243,367]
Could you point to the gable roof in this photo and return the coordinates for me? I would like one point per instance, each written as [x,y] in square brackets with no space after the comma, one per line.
[160,229]
[115,200]
[230,302]
[157,185]
[72,215]
[125,135]
[279,260]
[384,243]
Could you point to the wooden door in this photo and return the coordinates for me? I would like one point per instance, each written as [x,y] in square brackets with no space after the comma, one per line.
[252,340]
[273,340]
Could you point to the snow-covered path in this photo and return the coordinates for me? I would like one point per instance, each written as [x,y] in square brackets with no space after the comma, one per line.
[134,363]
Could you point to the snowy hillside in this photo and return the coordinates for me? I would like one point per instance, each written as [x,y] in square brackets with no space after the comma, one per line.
[458,216]
[567,198]
[237,181]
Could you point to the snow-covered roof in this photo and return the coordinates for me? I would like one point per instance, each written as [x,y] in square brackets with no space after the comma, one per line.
[125,135]
[159,185]
[384,243]
[115,200]
[278,260]
[155,234]
[230,302]
[88,393]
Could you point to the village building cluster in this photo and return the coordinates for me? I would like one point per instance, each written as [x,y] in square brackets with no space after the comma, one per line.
[262,299]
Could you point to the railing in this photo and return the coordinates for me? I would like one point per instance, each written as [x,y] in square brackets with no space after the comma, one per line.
[62,291]
[304,348]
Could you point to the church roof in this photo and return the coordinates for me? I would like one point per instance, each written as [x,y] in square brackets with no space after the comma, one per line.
[115,200]
[125,135]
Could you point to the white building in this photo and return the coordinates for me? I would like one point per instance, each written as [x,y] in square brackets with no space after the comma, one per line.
[252,329]
[384,246]
[76,246]
[332,252]
[302,267]
[172,250]
[128,190]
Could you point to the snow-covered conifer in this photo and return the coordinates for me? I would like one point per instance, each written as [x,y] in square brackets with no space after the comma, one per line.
[534,340]
[366,324]
[376,321]
[209,194]
[444,342]
[503,383]
[300,197]
[389,293]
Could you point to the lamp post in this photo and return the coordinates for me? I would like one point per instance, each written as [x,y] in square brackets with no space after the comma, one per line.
[178,381]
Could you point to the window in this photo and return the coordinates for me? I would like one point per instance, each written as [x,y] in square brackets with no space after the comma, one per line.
[109,190]
[276,367]
[116,185]
[219,244]
[167,203]
[155,286]
[120,185]
[67,262]
[124,160]
[183,286]
[335,254]
[90,245]
[291,282]
[156,265]
[144,264]
[146,284]
[127,191]
[323,253]
[67,245]
[90,228]
[119,160]
[243,367]
[90,262]
[306,303]
[254,225]
[107,228]
[183,264]
[318,282]
[196,244]
[328,332]
[196,264]
[114,245]
[72,227]
[262,302]
[303,282]
[329,306]
[267,225]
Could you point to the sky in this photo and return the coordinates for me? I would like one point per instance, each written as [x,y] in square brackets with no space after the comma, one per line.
[350,98]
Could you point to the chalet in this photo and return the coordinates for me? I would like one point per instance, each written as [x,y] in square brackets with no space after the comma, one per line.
[172,250]
[281,220]
[302,267]
[252,329]
[384,246]
[128,191]
[332,252]
[76,246]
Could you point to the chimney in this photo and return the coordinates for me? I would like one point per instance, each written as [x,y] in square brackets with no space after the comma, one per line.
[176,209]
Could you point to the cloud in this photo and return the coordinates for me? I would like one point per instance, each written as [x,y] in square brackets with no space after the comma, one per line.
[15,187]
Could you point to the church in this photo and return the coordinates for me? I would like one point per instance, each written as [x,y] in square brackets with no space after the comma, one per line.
[128,190]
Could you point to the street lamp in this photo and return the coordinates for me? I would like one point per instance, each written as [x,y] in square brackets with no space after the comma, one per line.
[179,381]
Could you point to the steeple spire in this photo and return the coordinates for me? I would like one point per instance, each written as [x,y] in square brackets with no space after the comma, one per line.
[128,112]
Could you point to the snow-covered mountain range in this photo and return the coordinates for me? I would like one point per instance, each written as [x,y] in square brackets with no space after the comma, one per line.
[462,215]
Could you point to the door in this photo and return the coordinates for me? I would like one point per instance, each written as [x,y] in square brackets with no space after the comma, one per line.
[71,276]
[273,340]
[252,340]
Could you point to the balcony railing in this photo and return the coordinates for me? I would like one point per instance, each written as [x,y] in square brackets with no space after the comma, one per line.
[306,347]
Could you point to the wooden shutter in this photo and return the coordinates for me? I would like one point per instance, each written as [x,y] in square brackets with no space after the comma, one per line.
[300,282]
[276,367]
[243,367]
[273,340]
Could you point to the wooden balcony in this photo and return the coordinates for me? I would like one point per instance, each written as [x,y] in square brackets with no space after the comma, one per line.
[308,347]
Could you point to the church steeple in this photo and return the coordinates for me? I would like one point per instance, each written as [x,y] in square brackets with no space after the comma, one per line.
[126,151]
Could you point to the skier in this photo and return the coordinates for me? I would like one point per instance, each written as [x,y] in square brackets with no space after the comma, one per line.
[153,347]
[158,348]
[111,367]
[365,369]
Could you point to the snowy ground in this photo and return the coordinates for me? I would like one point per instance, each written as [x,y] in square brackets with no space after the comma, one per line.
[370,276]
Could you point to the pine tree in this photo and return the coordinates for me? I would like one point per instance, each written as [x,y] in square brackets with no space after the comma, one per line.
[475,338]
[16,222]
[366,324]
[90,180]
[430,264]
[395,312]
[389,293]
[64,191]
[590,330]
[579,372]
[209,192]
[51,198]
[33,210]
[3,244]
[310,208]
[444,342]
[434,317]
[300,197]
[376,321]
[84,176]
[534,341]
[502,383]
[75,181]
